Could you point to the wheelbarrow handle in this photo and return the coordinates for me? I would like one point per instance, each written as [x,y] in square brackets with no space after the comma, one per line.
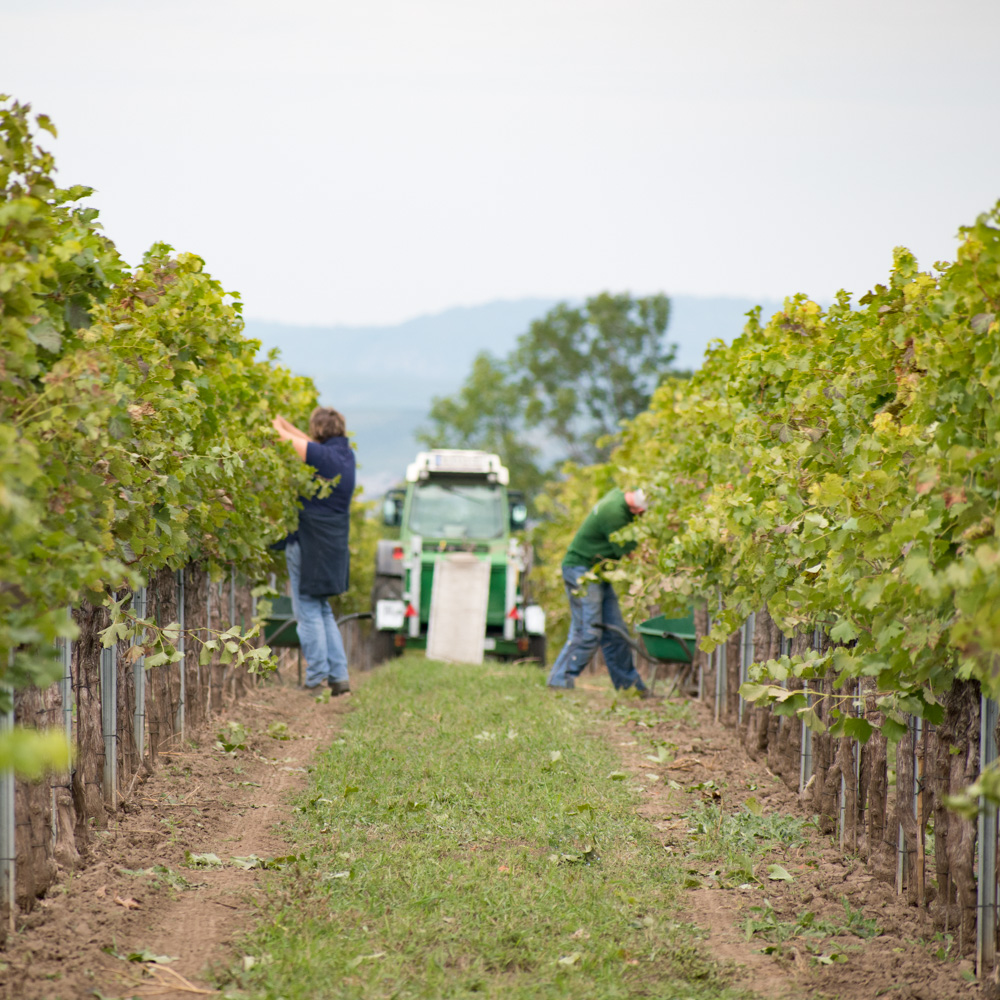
[621,632]
[292,621]
[680,639]
[357,614]
[642,652]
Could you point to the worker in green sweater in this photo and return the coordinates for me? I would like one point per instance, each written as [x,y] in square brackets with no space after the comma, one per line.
[595,604]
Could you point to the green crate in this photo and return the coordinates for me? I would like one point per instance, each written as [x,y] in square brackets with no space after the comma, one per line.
[279,626]
[667,648]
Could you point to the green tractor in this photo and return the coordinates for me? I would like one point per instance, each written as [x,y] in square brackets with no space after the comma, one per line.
[455,502]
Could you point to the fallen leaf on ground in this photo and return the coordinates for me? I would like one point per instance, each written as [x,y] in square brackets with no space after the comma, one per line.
[355,962]
[683,763]
[150,956]
[778,874]
[202,860]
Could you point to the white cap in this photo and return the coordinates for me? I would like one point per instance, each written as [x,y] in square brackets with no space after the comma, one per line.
[639,500]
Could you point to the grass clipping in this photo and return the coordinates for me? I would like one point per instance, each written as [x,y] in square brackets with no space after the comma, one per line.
[467,833]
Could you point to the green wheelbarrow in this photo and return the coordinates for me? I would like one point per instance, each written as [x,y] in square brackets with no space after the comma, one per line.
[280,630]
[280,627]
[662,641]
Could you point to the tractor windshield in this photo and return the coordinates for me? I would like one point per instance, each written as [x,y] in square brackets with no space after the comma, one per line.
[457,510]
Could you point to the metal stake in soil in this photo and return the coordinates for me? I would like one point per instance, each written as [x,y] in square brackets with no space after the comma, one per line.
[66,688]
[8,835]
[918,806]
[139,676]
[805,760]
[747,652]
[986,889]
[208,635]
[180,649]
[721,694]
[109,723]
[66,700]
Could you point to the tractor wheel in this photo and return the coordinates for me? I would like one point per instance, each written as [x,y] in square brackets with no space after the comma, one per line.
[384,647]
[536,649]
[386,588]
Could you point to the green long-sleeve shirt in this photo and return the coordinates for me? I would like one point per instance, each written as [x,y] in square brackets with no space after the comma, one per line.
[592,543]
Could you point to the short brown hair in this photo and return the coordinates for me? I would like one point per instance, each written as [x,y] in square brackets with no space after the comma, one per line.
[325,422]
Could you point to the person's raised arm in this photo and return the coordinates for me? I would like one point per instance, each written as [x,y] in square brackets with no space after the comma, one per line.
[280,423]
[289,432]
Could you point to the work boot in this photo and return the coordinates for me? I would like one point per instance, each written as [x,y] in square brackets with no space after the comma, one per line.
[339,687]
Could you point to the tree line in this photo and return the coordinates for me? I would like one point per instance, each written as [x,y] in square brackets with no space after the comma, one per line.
[565,389]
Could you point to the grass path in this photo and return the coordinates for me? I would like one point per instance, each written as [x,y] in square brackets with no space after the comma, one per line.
[469,835]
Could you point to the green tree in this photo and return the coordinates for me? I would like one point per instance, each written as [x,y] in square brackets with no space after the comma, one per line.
[487,413]
[563,393]
[581,371]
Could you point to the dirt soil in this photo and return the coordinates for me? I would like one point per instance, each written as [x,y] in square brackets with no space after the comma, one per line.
[137,894]
[138,897]
[709,764]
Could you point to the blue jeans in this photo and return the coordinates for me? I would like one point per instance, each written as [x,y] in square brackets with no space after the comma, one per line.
[597,604]
[319,636]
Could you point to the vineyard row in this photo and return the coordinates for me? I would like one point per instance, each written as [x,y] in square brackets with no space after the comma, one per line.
[834,475]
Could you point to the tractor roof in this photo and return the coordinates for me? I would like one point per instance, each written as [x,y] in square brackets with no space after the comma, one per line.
[452,462]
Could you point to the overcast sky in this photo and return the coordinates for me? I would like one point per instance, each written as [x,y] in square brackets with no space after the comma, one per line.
[368,161]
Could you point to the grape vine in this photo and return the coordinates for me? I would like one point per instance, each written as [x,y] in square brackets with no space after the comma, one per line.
[135,419]
[839,467]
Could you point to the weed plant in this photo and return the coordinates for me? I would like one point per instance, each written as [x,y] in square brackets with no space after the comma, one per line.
[764,922]
[467,835]
[740,841]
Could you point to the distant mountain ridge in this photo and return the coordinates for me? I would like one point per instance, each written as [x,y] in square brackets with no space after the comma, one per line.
[404,365]
[383,378]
